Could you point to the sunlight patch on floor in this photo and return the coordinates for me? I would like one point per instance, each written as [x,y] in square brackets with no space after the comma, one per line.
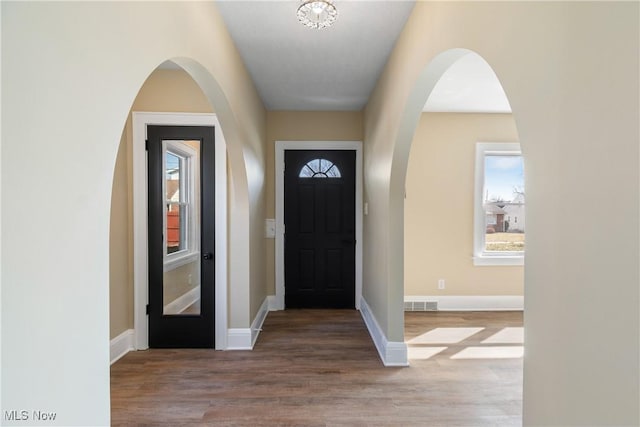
[512,352]
[444,336]
[424,353]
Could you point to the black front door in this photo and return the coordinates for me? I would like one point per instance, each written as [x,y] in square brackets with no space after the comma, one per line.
[319,216]
[181,184]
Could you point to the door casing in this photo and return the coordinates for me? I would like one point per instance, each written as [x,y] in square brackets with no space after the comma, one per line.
[197,179]
[281,147]
[140,221]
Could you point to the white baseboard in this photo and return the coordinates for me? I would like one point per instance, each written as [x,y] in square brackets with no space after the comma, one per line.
[256,326]
[121,345]
[239,339]
[245,338]
[392,353]
[274,304]
[472,303]
[181,303]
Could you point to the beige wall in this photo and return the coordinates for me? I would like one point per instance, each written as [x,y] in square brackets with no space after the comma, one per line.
[439,207]
[75,62]
[302,126]
[171,90]
[570,71]
[163,91]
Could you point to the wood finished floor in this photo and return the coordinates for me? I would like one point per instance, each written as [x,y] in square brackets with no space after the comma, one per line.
[320,368]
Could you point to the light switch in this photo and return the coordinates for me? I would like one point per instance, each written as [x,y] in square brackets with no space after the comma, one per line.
[270,228]
[366,208]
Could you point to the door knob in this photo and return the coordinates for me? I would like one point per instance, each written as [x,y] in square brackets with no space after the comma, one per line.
[207,255]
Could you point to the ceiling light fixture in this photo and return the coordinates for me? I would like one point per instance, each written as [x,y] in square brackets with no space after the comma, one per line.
[317,13]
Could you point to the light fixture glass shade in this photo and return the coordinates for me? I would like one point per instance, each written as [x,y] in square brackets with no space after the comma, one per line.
[317,13]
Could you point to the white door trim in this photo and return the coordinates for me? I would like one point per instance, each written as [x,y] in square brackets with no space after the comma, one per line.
[281,147]
[140,251]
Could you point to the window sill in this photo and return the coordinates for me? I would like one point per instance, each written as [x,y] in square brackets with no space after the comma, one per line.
[173,262]
[498,260]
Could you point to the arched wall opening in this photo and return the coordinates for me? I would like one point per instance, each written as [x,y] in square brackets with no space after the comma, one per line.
[465,111]
[408,122]
[171,94]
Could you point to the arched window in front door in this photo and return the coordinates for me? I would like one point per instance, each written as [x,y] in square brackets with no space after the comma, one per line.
[319,168]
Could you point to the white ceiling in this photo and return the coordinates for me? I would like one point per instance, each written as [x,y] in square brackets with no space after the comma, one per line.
[336,68]
[299,68]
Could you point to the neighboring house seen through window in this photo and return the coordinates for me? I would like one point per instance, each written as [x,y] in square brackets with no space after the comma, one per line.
[499,232]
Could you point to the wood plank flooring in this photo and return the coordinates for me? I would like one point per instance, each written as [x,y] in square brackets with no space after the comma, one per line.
[320,368]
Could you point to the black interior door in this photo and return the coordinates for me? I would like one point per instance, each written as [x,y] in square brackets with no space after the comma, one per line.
[319,216]
[181,185]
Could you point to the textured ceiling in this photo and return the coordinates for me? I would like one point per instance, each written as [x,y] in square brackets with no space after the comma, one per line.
[298,68]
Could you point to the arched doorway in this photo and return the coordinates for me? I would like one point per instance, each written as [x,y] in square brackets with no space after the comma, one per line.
[416,101]
[177,100]
[464,236]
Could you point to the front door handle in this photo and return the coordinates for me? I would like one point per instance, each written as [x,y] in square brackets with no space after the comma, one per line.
[207,255]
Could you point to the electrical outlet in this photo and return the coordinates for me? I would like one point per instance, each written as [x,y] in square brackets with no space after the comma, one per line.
[440,283]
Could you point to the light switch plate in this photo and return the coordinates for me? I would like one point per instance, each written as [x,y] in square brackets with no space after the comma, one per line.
[270,228]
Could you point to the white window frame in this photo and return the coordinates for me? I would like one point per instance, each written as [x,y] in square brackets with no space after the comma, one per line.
[188,180]
[480,256]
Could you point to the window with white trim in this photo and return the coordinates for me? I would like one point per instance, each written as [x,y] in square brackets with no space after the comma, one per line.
[181,215]
[499,211]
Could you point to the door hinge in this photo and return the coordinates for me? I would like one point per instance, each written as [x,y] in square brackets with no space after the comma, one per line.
[146,144]
[147,308]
